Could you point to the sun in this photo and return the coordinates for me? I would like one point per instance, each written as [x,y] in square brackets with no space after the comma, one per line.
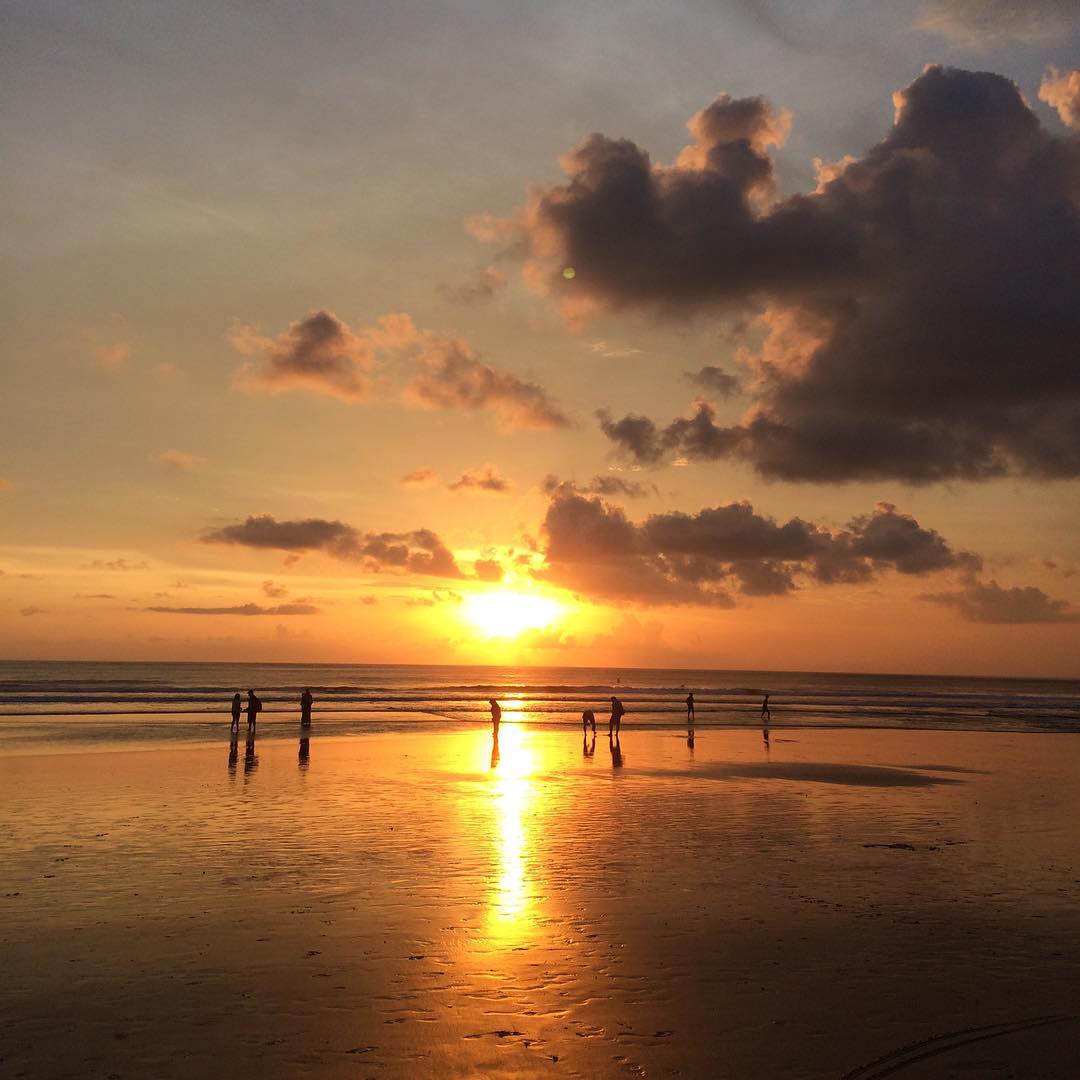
[506,614]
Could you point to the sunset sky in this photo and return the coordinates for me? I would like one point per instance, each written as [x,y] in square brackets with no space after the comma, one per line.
[705,334]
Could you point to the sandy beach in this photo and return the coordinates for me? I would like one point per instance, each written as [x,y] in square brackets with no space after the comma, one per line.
[834,903]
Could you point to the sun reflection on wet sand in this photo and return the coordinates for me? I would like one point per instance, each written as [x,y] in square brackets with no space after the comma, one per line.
[514,793]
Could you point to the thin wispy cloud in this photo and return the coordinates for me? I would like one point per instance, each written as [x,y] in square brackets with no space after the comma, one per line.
[240,609]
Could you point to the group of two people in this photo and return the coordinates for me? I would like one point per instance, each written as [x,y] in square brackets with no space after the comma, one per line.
[588,717]
[254,707]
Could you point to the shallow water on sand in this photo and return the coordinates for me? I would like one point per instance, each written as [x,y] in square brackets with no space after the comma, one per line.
[416,906]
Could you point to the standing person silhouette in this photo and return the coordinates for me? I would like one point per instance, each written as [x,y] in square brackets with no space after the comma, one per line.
[617,713]
[254,707]
[690,708]
[237,708]
[496,714]
[766,713]
[305,708]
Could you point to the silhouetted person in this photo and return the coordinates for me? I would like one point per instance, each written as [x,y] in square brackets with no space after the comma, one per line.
[237,708]
[589,748]
[495,746]
[254,707]
[234,746]
[588,721]
[305,708]
[616,751]
[617,713]
[305,753]
[766,714]
[690,708]
[250,760]
[496,714]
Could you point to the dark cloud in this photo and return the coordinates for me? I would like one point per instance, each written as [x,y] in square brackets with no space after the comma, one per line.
[419,551]
[599,485]
[705,558]
[318,353]
[482,285]
[28,611]
[488,479]
[275,592]
[240,609]
[714,380]
[1061,91]
[453,377]
[420,478]
[918,312]
[987,24]
[991,603]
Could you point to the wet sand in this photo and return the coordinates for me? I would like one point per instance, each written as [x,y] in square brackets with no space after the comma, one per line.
[862,903]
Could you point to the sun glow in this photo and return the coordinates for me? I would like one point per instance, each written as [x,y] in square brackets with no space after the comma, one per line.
[506,614]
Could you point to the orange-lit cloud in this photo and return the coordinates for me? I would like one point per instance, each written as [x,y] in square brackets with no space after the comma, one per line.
[177,460]
[1061,90]
[487,480]
[421,478]
[452,376]
[987,24]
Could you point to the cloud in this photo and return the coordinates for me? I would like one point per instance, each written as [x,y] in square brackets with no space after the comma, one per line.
[319,352]
[611,351]
[1061,91]
[122,565]
[993,604]
[422,478]
[176,460]
[488,479]
[240,609]
[369,600]
[591,546]
[488,569]
[987,24]
[714,380]
[419,551]
[437,597]
[453,377]
[276,592]
[599,485]
[482,285]
[28,611]
[110,357]
[918,314]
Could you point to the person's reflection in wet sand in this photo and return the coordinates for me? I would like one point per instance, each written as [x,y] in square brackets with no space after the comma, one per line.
[588,748]
[616,751]
[495,748]
[690,739]
[234,751]
[251,761]
[304,757]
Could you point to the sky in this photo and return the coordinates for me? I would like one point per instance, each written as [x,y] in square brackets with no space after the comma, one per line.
[705,334]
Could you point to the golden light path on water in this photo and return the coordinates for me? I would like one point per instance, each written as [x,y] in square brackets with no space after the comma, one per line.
[514,763]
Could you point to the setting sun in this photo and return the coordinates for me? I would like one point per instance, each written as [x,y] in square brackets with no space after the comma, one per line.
[506,614]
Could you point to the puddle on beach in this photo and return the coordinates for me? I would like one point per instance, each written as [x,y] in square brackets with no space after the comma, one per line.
[440,906]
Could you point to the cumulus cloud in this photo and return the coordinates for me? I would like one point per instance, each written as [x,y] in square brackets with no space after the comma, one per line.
[919,315]
[452,376]
[1061,90]
[240,609]
[176,460]
[419,551]
[991,603]
[592,547]
[488,479]
[480,286]
[987,24]
[422,478]
[318,352]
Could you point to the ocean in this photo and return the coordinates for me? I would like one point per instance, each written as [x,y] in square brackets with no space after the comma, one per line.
[62,702]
